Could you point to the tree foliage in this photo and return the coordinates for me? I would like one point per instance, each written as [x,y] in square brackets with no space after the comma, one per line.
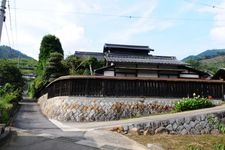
[82,65]
[55,68]
[8,96]
[35,86]
[206,67]
[72,62]
[195,64]
[51,64]
[49,44]
[12,83]
[10,74]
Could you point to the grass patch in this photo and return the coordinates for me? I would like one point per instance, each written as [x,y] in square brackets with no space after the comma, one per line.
[182,142]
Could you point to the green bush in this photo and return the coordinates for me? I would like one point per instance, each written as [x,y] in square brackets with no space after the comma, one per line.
[4,116]
[35,86]
[8,96]
[192,104]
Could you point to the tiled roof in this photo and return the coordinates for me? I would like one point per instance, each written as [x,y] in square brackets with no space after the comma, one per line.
[144,59]
[99,56]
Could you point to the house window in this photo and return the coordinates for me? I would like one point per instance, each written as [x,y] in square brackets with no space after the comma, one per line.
[168,76]
[125,75]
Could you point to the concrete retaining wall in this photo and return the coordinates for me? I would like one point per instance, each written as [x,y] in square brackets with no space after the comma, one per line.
[87,109]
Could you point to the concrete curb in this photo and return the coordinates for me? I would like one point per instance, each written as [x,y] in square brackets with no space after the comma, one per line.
[5,136]
[7,129]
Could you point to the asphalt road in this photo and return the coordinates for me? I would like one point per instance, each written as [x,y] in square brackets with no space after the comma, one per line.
[33,131]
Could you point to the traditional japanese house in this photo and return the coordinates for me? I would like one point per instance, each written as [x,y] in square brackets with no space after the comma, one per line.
[137,61]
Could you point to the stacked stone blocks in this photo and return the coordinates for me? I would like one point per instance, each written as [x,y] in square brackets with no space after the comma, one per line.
[87,109]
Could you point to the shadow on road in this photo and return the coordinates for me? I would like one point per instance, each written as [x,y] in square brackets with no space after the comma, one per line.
[26,141]
[33,131]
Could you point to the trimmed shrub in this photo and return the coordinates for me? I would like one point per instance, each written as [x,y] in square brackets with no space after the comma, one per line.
[192,104]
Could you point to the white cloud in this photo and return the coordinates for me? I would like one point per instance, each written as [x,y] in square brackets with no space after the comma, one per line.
[218,35]
[71,35]
[148,22]
[38,18]
[217,31]
[137,25]
[80,25]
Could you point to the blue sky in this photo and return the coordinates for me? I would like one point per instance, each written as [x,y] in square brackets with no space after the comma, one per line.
[170,27]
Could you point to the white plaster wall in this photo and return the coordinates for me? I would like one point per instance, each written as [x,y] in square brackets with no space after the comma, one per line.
[147,74]
[189,76]
[108,73]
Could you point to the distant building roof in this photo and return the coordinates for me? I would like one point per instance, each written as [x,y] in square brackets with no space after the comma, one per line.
[98,56]
[144,59]
[125,47]
[202,73]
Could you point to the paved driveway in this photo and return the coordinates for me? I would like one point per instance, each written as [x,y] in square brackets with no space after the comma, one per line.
[32,131]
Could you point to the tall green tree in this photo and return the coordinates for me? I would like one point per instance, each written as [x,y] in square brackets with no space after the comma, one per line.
[49,44]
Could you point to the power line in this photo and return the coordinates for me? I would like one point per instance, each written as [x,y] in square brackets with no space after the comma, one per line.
[10,19]
[114,15]
[7,34]
[206,4]
[10,23]
[76,13]
[15,24]
[15,21]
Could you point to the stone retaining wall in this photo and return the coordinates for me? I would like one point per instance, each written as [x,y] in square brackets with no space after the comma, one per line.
[201,124]
[87,109]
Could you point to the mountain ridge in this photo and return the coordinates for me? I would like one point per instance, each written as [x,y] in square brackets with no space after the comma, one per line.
[207,54]
[208,60]
[8,53]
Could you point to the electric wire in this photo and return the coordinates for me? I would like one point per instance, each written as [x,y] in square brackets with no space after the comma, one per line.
[10,19]
[15,23]
[7,34]
[10,23]
[114,15]
[206,4]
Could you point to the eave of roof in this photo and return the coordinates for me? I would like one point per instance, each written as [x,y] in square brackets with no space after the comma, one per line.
[198,71]
[128,47]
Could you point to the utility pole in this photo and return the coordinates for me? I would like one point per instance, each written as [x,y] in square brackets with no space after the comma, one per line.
[2,15]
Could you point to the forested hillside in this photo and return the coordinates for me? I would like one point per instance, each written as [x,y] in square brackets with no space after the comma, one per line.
[8,52]
[209,60]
